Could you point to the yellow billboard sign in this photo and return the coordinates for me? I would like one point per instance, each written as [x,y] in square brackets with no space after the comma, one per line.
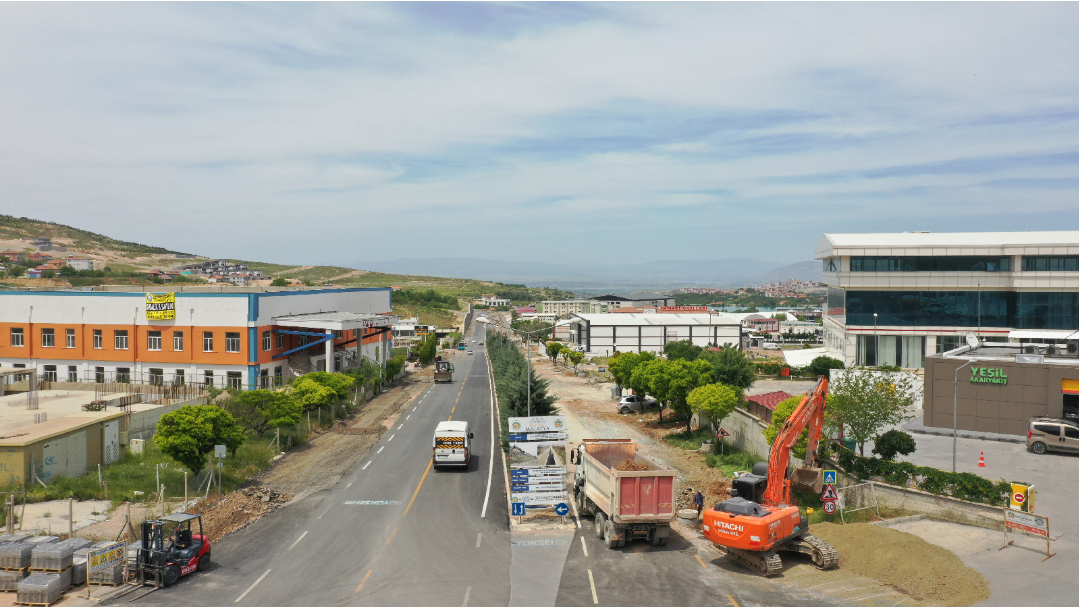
[1022,497]
[161,306]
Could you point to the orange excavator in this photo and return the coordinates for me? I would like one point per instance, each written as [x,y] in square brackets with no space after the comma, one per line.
[759,522]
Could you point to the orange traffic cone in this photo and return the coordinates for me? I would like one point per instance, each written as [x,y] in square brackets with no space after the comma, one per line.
[981,460]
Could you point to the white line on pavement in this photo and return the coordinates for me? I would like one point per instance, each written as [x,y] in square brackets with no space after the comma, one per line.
[348,485]
[365,466]
[478,537]
[408,416]
[380,449]
[391,437]
[592,582]
[305,533]
[252,587]
[468,591]
[584,546]
[576,515]
[400,426]
[490,464]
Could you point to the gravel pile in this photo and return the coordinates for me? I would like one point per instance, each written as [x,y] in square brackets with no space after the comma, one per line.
[238,509]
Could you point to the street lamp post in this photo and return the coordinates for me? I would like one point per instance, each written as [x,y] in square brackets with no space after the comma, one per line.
[876,342]
[528,361]
[955,407]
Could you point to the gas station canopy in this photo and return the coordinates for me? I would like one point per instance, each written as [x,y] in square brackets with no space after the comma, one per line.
[336,321]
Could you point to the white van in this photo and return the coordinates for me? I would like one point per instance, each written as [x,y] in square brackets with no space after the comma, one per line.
[452,444]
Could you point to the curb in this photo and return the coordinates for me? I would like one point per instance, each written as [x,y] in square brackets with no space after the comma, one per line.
[899,520]
[1000,438]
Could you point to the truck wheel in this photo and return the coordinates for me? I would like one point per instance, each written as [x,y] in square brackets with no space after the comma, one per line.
[608,536]
[600,521]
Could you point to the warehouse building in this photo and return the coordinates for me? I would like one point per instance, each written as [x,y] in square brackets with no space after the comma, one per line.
[604,334]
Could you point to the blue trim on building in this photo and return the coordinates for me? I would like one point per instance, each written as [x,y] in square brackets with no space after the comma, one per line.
[252,307]
[253,377]
[253,343]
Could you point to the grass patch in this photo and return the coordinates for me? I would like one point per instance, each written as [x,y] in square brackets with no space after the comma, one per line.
[732,461]
[691,441]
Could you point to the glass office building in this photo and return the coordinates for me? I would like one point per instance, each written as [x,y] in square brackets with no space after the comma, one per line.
[893,299]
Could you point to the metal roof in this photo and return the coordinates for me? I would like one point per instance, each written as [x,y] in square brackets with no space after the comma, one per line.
[180,517]
[829,243]
[659,319]
[336,321]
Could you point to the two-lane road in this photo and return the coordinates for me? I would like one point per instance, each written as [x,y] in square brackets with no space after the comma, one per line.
[394,531]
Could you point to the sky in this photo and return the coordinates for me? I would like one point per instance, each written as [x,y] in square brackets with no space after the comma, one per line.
[344,133]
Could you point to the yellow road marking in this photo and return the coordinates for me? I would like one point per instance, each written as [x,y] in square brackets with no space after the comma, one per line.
[733,602]
[417,488]
[360,587]
[453,409]
[456,400]
[700,561]
[391,536]
[449,419]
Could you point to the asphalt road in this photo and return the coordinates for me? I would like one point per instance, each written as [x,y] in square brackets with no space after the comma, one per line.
[395,531]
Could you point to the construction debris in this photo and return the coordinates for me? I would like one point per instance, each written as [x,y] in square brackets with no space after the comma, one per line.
[238,509]
[631,466]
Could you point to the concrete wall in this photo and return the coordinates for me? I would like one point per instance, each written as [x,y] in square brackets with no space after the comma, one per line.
[914,501]
[1031,390]
[142,424]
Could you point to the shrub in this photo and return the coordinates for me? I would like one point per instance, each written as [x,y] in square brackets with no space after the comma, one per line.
[960,485]
[893,442]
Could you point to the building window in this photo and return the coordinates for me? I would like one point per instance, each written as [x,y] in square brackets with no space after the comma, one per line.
[1050,264]
[944,263]
[831,264]
[178,341]
[234,379]
[16,337]
[157,376]
[992,309]
[278,379]
[123,375]
[97,339]
[178,377]
[264,379]
[208,378]
[72,373]
[280,341]
[50,372]
[71,338]
[48,338]
[266,341]
[121,341]
[232,342]
[99,375]
[153,341]
[207,341]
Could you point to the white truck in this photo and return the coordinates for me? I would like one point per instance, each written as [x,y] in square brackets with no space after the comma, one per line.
[630,496]
[452,444]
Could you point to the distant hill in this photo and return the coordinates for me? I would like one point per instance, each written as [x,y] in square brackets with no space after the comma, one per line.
[18,228]
[803,270]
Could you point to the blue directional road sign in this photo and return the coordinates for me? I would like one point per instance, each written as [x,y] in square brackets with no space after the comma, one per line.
[561,509]
[518,509]
[518,437]
[829,477]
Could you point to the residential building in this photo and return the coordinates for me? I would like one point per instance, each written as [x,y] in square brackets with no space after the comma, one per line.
[241,337]
[80,263]
[538,316]
[893,299]
[493,300]
[564,307]
[617,301]
[13,255]
[604,334]
[38,257]
[764,405]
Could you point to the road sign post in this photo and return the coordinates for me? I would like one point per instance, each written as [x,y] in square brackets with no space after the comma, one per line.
[722,434]
[829,507]
[829,477]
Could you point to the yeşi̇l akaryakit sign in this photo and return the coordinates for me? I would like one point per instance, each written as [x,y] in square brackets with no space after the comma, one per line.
[987,375]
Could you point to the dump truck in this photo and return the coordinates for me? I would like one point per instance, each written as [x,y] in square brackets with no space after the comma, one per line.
[631,497]
[443,370]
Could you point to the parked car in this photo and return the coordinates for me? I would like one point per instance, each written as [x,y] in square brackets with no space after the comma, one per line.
[634,402]
[470,352]
[1052,434]
[772,347]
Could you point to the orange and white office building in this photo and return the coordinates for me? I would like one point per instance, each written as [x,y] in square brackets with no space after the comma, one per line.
[243,337]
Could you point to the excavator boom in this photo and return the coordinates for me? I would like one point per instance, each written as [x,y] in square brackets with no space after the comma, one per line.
[809,414]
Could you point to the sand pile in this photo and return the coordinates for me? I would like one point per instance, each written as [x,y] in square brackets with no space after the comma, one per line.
[632,466]
[238,509]
[905,562]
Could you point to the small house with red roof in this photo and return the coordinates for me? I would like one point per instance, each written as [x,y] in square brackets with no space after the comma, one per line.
[762,405]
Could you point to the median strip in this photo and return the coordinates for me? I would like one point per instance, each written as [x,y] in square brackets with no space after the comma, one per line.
[360,587]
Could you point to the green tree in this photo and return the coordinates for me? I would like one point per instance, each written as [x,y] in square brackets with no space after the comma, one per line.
[48,274]
[311,394]
[863,401]
[683,377]
[188,434]
[682,350]
[783,411]
[622,364]
[428,349]
[261,410]
[338,382]
[279,282]
[892,443]
[575,358]
[68,271]
[16,271]
[780,316]
[822,365]
[553,348]
[730,367]
[713,402]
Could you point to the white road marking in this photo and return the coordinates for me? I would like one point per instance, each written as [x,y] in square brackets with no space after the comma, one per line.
[592,582]
[391,437]
[577,516]
[366,465]
[584,546]
[401,426]
[348,485]
[408,416]
[305,533]
[490,464]
[252,586]
[468,591]
[478,537]
[380,449]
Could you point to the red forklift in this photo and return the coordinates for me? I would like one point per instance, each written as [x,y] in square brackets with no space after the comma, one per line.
[170,550]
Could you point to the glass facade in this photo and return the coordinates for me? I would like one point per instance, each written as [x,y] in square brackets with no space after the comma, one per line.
[837,304]
[946,263]
[1004,309]
[1039,263]
[907,351]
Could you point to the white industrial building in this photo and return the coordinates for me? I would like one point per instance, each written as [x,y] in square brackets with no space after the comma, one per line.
[604,334]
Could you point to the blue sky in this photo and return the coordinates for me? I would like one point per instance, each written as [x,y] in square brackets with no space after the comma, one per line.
[339,133]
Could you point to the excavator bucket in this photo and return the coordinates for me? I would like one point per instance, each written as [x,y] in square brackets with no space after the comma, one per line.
[808,479]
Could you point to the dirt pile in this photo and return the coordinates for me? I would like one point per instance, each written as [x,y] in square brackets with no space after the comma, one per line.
[905,562]
[632,466]
[238,509]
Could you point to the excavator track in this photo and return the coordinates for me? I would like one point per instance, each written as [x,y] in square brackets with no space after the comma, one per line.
[824,554]
[766,562]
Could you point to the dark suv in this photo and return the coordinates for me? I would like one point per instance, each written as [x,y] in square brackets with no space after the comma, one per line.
[1052,434]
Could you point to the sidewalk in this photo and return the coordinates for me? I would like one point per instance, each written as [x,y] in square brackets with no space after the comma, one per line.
[918,428]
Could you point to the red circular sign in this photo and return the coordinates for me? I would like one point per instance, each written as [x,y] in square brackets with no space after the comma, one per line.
[829,507]
[1019,498]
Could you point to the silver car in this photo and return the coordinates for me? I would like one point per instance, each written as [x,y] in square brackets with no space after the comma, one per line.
[634,402]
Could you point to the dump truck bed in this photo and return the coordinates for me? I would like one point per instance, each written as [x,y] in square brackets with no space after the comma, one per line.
[627,487]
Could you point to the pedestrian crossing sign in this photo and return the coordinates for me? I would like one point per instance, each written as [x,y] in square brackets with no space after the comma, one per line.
[829,477]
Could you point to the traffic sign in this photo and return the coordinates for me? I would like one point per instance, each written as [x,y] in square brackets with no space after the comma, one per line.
[722,433]
[518,509]
[1019,498]
[561,509]
[829,507]
[220,451]
[829,477]
[829,494]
